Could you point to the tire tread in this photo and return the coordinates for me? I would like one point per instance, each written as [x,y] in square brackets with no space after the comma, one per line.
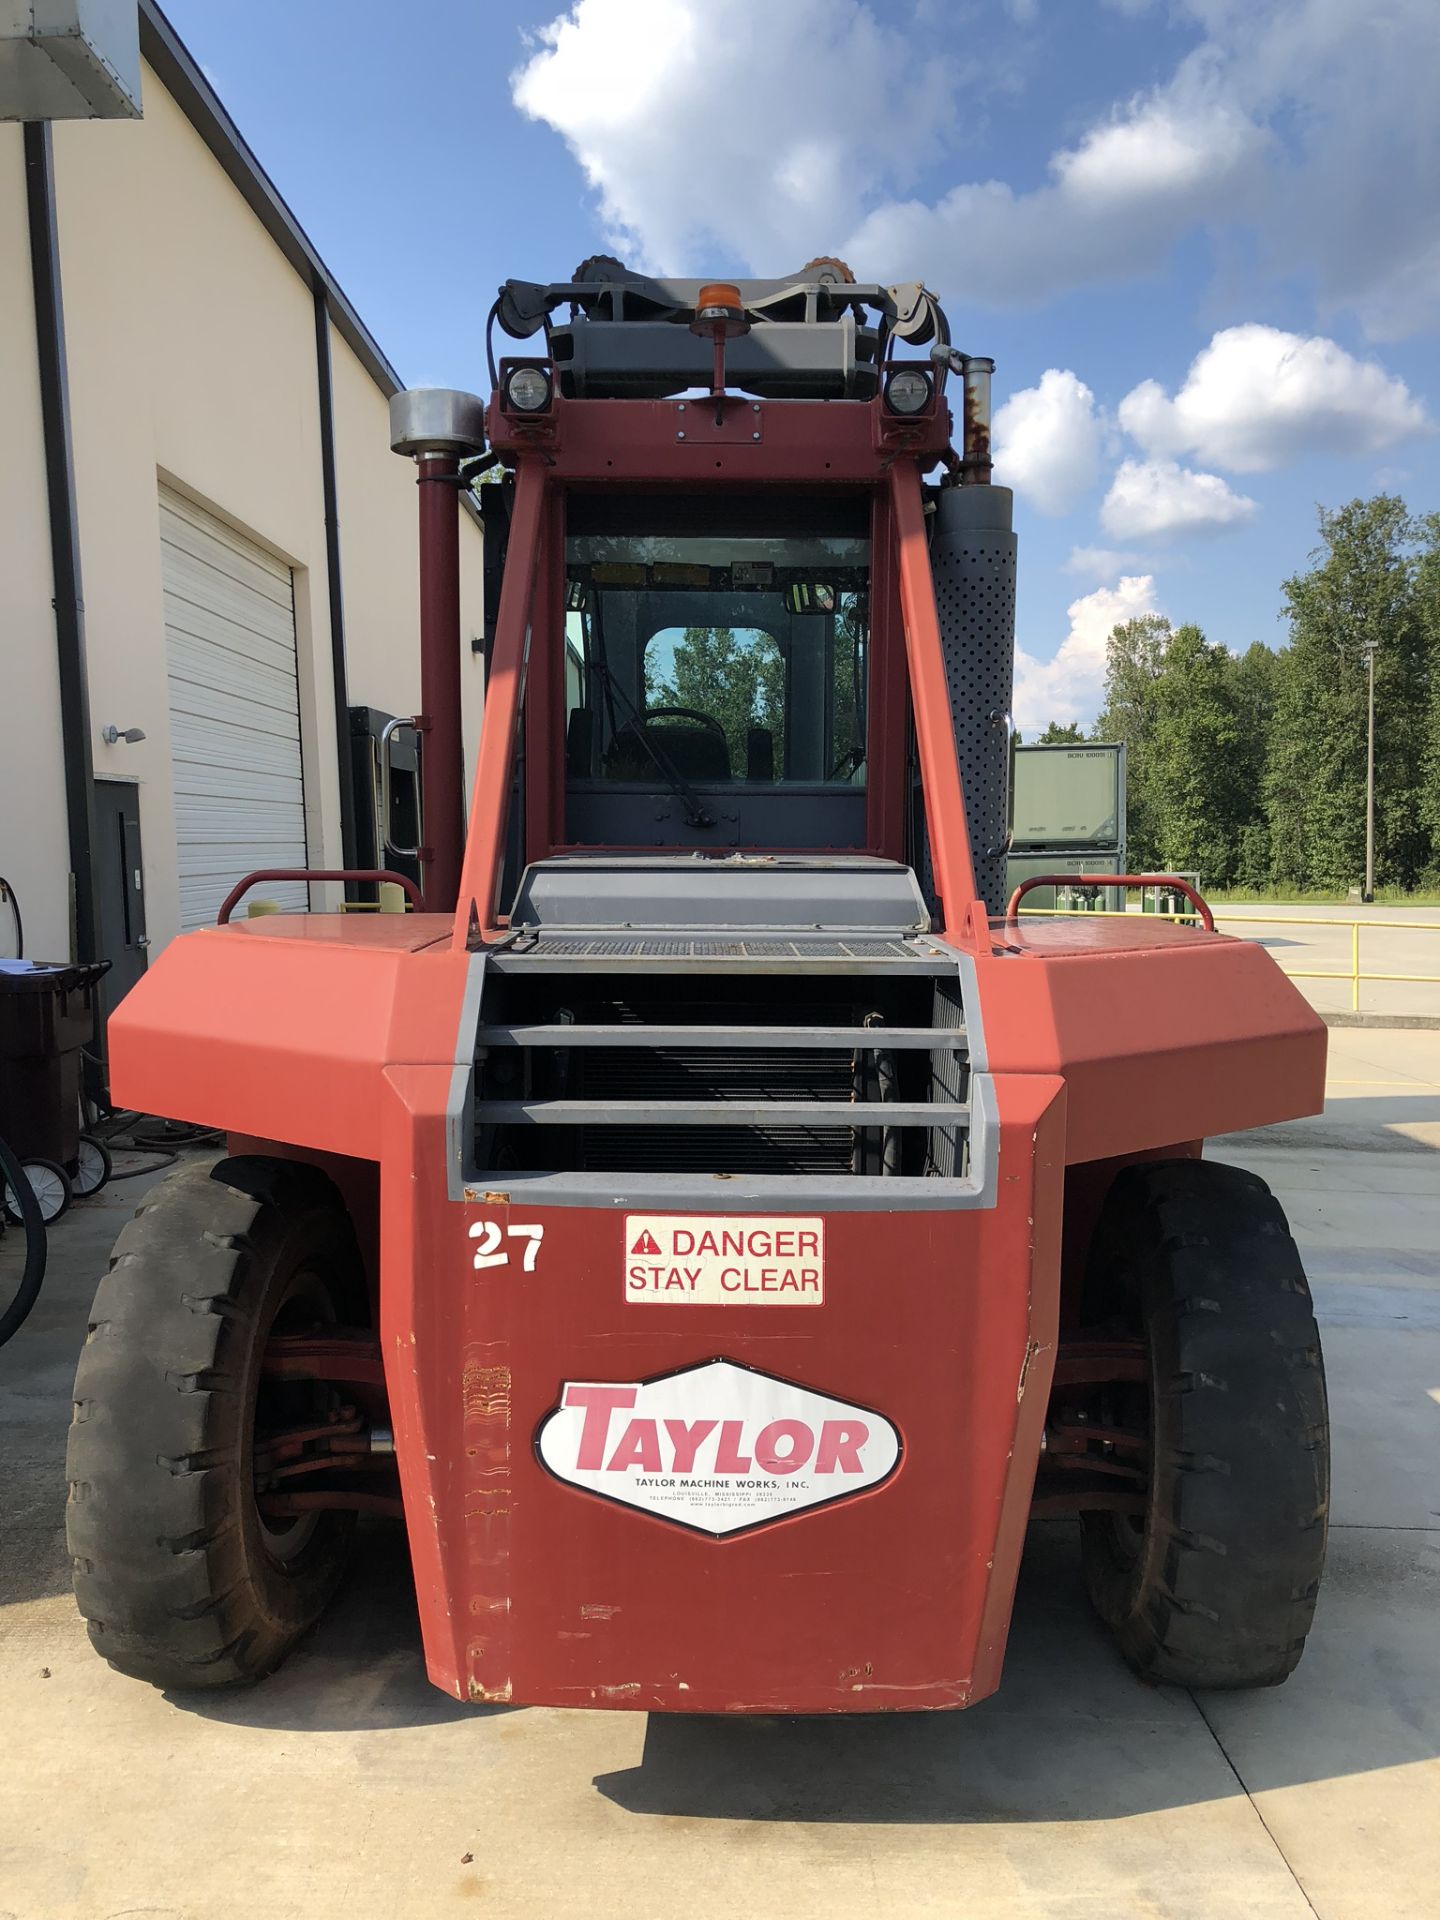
[1223,1589]
[164,1569]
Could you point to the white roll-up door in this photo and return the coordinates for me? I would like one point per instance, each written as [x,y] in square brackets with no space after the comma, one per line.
[234,711]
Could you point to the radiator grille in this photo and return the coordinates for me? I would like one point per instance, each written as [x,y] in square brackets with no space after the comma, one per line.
[712,1073]
[714,1150]
[601,1074]
[709,1073]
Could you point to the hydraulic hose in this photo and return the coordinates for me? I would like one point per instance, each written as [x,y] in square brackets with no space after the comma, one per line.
[36,1245]
[163,1139]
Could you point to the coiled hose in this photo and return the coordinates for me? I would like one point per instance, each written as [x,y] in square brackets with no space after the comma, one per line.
[36,1245]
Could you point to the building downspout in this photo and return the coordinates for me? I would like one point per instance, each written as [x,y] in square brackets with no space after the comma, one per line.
[350,856]
[64,541]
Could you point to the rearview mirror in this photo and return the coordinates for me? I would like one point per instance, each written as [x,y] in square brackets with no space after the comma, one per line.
[809,596]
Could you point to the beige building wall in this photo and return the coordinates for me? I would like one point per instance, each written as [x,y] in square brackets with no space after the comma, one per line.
[191,349]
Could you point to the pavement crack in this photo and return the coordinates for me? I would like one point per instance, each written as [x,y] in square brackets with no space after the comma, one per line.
[1371,1526]
[1254,1805]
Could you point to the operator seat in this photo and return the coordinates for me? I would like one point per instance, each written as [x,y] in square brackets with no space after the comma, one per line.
[695,752]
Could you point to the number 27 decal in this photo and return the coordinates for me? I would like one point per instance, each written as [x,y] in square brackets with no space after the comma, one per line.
[490,1253]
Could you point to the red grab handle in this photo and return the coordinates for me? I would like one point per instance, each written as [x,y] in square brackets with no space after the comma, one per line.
[237,893]
[1207,918]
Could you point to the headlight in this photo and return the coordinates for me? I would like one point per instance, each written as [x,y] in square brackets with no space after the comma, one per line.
[908,391]
[527,390]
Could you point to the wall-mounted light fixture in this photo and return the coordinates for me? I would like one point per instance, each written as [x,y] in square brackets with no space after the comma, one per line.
[111,735]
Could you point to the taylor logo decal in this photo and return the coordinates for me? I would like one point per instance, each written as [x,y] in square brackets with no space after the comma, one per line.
[716,1447]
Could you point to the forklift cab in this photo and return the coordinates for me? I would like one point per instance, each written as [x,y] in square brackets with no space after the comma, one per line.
[730,614]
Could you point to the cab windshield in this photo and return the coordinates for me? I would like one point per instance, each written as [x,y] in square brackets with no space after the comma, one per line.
[717,671]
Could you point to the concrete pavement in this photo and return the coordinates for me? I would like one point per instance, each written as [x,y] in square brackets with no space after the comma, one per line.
[346,1785]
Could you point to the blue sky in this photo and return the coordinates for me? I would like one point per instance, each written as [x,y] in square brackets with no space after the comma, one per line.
[1201,238]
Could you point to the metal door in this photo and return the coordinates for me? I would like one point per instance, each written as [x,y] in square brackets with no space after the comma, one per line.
[120,880]
[234,710]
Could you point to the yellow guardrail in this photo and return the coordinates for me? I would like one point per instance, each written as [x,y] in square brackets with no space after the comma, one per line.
[1353,973]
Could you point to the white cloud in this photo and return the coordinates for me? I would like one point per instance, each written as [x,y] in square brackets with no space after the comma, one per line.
[1305,130]
[1257,396]
[1117,203]
[1102,563]
[1071,686]
[816,100]
[1352,203]
[1173,150]
[1047,442]
[1153,499]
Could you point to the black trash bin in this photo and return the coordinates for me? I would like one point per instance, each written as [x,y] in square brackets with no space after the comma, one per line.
[47,1014]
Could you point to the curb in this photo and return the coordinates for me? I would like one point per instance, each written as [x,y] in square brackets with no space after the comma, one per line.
[1406,1020]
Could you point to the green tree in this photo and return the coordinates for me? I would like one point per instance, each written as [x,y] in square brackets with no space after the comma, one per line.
[1427,616]
[1197,798]
[735,675]
[1359,594]
[1133,663]
[1059,734]
[847,668]
[1254,677]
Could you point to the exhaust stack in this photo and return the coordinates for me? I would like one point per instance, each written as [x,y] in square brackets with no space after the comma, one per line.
[437,427]
[975,463]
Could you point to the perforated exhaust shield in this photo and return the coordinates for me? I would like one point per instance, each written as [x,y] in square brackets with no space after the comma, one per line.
[972,553]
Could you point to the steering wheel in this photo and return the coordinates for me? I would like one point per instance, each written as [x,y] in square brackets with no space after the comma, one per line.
[683,713]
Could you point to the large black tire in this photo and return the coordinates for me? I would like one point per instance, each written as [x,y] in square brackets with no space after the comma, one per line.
[1216,1586]
[180,1579]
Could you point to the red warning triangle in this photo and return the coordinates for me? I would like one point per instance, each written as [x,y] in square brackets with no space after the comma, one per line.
[647,1243]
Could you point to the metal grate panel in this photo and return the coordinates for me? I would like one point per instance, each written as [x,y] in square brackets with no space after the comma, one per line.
[620,954]
[711,947]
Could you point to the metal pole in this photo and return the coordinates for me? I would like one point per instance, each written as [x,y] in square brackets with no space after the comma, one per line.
[436,426]
[950,851]
[1355,966]
[349,850]
[77,753]
[442,753]
[1368,894]
[504,692]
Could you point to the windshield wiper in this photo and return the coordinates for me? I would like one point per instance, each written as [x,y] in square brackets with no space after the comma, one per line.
[695,814]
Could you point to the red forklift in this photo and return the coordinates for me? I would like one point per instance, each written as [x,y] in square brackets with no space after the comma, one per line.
[715,1221]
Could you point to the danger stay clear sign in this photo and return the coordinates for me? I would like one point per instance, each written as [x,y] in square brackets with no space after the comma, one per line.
[756,1260]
